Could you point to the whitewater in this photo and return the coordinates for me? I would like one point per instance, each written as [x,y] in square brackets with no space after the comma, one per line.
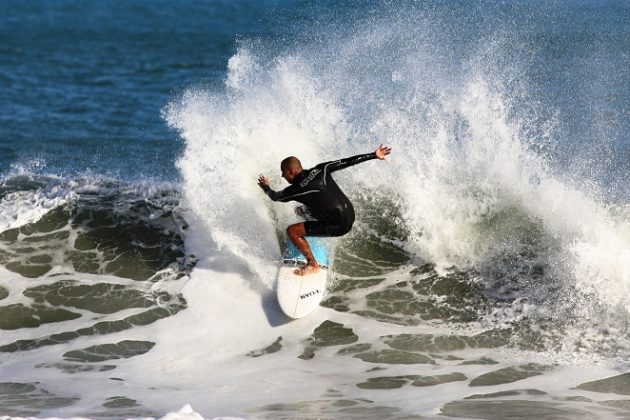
[487,274]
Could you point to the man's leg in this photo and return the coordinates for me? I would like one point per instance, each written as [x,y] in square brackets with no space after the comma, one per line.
[297,235]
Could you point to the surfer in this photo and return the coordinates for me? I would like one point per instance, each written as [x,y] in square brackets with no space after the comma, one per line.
[316,189]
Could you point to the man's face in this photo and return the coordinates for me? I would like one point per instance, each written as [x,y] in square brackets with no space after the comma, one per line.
[289,174]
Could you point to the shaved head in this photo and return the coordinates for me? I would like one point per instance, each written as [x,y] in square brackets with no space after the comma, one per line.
[291,167]
[291,163]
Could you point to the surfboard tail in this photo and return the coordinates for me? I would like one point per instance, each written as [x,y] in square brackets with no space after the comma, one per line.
[298,296]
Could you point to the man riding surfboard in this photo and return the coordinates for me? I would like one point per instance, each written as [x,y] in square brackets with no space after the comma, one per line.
[317,190]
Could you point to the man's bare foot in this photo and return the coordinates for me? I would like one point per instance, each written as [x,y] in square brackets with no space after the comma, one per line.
[308,268]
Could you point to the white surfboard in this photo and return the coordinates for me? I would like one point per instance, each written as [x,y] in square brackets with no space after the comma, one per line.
[298,296]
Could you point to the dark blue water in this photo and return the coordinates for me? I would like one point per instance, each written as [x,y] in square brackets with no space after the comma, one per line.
[83,82]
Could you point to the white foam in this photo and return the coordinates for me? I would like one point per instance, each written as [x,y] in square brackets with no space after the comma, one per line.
[186,413]
[23,207]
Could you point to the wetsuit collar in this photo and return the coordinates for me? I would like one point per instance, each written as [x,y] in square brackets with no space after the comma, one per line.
[300,177]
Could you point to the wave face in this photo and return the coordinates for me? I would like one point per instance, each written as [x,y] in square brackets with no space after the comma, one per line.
[82,260]
[492,249]
[472,181]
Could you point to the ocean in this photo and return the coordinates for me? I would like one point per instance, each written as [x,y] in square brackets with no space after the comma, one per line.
[487,274]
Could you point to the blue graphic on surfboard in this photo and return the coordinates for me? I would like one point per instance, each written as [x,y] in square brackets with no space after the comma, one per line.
[298,296]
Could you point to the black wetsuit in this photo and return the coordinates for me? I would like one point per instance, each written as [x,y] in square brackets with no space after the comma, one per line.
[316,189]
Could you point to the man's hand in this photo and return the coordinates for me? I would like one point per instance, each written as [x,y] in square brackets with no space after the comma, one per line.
[382,152]
[263,182]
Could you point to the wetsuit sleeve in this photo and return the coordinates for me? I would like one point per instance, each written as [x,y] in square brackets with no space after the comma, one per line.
[284,195]
[336,165]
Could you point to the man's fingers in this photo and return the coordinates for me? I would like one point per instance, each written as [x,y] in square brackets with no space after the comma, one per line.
[383,151]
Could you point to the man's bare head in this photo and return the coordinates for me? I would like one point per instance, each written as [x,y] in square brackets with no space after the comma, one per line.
[290,162]
[291,168]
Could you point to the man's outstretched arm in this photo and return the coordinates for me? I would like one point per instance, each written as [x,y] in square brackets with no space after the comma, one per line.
[265,184]
[381,153]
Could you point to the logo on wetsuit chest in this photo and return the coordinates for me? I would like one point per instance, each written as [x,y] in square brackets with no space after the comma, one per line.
[309,177]
[309,294]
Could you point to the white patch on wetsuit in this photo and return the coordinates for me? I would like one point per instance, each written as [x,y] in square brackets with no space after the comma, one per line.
[309,177]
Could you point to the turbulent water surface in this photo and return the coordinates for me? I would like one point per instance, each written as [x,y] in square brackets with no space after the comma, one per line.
[487,274]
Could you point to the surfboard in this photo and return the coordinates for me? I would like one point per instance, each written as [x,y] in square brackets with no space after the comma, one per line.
[298,296]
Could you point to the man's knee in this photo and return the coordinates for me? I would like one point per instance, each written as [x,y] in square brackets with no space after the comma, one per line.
[296,231]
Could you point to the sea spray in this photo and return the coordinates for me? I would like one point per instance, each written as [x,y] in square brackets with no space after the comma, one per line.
[266,114]
[470,172]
